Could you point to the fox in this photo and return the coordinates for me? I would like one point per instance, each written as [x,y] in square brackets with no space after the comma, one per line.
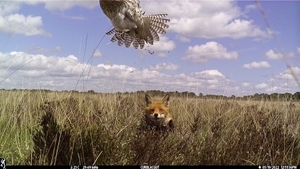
[157,113]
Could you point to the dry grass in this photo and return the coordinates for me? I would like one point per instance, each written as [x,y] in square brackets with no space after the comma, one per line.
[52,128]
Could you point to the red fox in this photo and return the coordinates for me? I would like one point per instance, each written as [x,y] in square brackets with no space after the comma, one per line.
[157,113]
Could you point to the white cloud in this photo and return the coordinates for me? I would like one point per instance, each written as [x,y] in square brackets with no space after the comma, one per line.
[281,83]
[164,66]
[8,8]
[206,19]
[72,17]
[25,61]
[255,65]
[64,5]
[288,75]
[183,38]
[200,54]
[162,54]
[33,71]
[246,84]
[41,50]
[68,4]
[17,70]
[20,24]
[261,86]
[162,47]
[15,23]
[164,44]
[250,7]
[274,56]
[211,80]
[284,81]
[298,50]
[97,53]
[211,73]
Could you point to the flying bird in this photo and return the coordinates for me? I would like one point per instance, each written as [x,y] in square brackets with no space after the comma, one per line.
[131,25]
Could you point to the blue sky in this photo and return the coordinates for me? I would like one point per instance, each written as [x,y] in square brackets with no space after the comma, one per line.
[212,47]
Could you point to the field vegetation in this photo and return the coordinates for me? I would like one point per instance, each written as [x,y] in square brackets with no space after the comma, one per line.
[40,127]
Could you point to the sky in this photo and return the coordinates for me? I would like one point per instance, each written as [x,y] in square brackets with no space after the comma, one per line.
[211,47]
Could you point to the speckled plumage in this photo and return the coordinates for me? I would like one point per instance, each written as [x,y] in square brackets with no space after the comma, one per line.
[131,25]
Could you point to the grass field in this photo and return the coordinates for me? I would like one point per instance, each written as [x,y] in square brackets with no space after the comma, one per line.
[54,128]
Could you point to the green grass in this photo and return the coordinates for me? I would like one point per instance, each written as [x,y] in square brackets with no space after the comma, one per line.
[55,128]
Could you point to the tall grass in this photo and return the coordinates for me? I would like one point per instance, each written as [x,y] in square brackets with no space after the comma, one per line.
[56,128]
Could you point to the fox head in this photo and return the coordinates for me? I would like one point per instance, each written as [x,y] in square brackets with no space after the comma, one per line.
[157,111]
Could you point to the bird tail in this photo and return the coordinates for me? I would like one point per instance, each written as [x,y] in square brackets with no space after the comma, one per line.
[157,25]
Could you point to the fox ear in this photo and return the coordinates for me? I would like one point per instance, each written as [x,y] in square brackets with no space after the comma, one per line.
[148,99]
[166,100]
